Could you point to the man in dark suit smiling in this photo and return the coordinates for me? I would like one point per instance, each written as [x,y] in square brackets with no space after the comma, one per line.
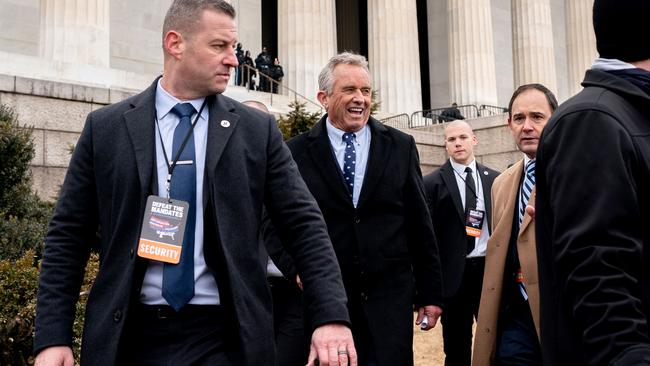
[367,181]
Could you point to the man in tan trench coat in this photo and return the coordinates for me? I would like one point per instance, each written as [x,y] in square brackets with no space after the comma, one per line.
[507,331]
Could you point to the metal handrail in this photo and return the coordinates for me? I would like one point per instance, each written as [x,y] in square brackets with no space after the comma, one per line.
[280,85]
[491,110]
[399,121]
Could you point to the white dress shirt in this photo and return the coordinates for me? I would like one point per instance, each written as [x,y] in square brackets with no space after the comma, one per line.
[205,286]
[460,174]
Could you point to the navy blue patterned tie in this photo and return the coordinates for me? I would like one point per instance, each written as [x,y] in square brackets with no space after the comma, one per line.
[178,279]
[349,161]
[526,188]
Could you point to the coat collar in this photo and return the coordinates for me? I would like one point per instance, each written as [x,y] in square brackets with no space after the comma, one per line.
[511,182]
[141,127]
[139,122]
[448,176]
[323,157]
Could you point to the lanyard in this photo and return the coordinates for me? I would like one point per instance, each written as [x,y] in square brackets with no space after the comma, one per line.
[172,166]
[477,181]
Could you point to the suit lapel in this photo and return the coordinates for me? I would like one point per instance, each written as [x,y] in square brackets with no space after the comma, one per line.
[487,199]
[324,160]
[527,218]
[380,147]
[448,176]
[222,123]
[140,124]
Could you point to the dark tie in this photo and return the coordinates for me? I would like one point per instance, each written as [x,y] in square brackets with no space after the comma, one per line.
[349,161]
[526,188]
[470,203]
[178,279]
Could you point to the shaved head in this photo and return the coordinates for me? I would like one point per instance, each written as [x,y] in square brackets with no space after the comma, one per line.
[458,124]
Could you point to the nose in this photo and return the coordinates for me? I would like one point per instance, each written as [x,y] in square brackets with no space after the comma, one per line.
[528,124]
[357,96]
[231,58]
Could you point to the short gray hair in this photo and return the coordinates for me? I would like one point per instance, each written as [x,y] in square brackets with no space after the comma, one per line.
[183,15]
[325,82]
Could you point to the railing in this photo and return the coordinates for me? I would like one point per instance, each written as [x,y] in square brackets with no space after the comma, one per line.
[397,121]
[491,110]
[271,85]
[430,117]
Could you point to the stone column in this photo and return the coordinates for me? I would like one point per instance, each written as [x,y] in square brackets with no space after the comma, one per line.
[306,41]
[533,53]
[472,75]
[581,41]
[75,31]
[394,56]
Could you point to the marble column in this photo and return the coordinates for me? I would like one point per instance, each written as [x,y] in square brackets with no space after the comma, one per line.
[533,52]
[75,31]
[472,75]
[306,41]
[393,54]
[581,41]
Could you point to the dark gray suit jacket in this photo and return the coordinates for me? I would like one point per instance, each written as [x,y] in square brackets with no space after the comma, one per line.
[109,178]
[448,216]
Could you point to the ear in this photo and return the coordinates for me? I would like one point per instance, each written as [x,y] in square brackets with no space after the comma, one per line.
[322,98]
[174,44]
[474,140]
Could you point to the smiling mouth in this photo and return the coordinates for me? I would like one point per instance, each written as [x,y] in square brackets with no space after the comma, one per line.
[355,110]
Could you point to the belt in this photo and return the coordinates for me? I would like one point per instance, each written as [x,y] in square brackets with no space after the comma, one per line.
[167,312]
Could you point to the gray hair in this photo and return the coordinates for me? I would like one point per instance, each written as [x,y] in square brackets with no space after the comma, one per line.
[183,15]
[325,82]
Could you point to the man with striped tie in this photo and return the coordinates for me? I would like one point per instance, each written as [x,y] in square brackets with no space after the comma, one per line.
[507,332]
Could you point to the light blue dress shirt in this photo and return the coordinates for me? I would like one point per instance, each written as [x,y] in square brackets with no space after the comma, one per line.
[205,287]
[362,147]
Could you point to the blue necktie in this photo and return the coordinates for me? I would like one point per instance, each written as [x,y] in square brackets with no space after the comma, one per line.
[349,161]
[178,279]
[526,188]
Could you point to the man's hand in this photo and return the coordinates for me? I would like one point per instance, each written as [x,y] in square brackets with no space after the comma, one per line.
[55,356]
[432,313]
[298,282]
[332,345]
[530,210]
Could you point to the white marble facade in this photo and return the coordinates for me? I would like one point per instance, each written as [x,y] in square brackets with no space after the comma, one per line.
[479,50]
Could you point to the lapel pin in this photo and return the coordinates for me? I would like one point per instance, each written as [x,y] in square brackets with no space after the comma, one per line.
[485,172]
[225,123]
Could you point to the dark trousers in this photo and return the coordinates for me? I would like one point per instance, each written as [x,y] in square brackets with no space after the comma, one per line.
[460,312]
[517,342]
[158,336]
[291,343]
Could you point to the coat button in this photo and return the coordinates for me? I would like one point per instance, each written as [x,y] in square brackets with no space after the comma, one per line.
[117,316]
[131,253]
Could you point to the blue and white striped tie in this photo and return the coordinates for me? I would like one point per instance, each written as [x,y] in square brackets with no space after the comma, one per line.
[526,188]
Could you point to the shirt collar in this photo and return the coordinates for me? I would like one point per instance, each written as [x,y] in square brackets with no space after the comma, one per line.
[165,102]
[526,160]
[460,168]
[337,134]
